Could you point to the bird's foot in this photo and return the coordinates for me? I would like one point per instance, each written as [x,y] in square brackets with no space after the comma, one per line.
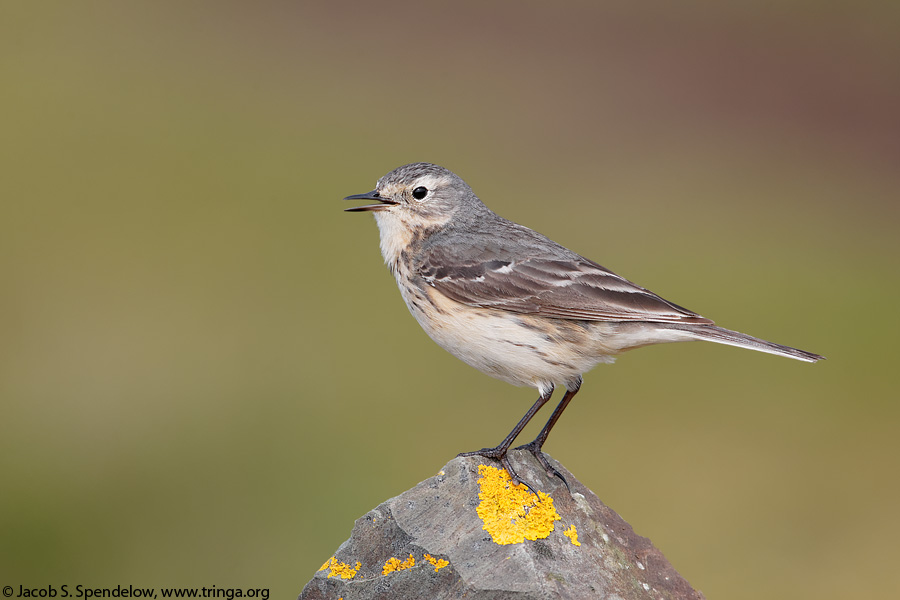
[535,448]
[499,454]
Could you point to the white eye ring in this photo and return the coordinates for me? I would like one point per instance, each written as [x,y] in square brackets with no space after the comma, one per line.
[420,193]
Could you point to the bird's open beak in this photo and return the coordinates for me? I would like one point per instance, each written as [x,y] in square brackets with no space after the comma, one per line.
[384,203]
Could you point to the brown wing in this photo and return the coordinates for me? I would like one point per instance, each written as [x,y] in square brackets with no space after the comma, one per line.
[566,287]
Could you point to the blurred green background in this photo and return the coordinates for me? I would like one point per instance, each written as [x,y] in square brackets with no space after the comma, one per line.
[206,372]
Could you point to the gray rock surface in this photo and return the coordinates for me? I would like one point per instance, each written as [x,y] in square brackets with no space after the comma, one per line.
[398,549]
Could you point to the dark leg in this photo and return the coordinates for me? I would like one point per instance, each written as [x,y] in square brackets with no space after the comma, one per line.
[499,453]
[535,446]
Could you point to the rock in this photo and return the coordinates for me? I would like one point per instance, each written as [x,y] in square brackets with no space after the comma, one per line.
[467,533]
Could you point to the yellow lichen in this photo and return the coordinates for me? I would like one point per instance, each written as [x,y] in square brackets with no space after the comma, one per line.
[572,534]
[438,563]
[394,564]
[510,513]
[339,569]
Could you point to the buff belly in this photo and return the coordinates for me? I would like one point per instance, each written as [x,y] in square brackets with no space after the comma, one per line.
[519,349]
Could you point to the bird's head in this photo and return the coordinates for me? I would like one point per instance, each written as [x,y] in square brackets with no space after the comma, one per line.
[418,195]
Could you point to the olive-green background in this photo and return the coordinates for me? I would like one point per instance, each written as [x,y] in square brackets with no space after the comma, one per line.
[206,372]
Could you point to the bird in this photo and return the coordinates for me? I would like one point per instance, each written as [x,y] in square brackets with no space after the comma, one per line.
[513,303]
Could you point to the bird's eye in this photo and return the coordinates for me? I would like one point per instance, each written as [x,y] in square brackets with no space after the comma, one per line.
[420,193]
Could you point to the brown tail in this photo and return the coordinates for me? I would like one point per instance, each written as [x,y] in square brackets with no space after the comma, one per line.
[720,335]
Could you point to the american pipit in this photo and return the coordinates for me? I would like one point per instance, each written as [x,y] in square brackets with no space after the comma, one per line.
[514,304]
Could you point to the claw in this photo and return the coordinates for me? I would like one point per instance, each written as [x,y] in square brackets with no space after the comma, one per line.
[500,455]
[551,471]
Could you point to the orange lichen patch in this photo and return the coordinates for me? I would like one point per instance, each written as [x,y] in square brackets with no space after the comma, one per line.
[394,564]
[512,514]
[438,563]
[572,534]
[339,569]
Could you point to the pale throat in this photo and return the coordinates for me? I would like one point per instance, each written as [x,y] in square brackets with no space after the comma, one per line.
[396,234]
[399,229]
